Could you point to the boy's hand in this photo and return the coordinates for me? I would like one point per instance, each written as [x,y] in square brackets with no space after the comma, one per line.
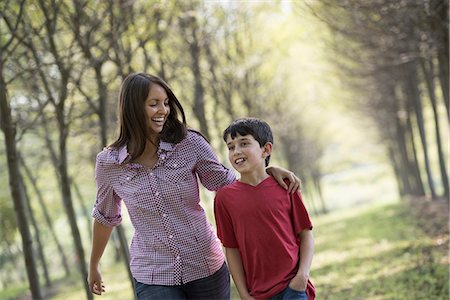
[299,282]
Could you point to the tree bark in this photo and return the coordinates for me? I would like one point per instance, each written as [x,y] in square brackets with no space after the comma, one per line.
[17,194]
[39,246]
[429,79]
[413,94]
[190,26]
[47,218]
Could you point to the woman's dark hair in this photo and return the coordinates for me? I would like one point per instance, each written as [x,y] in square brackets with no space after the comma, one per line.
[132,122]
[257,128]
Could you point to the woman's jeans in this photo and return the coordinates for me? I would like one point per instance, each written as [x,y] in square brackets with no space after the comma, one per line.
[290,294]
[216,286]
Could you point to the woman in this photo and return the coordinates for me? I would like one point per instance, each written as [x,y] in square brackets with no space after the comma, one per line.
[153,168]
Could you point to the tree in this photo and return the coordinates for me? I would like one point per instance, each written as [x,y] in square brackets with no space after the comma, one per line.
[7,126]
[379,47]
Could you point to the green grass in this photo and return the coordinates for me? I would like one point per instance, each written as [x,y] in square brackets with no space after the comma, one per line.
[14,292]
[377,253]
[368,252]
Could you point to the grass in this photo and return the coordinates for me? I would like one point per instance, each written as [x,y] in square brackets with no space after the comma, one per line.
[364,252]
[378,253]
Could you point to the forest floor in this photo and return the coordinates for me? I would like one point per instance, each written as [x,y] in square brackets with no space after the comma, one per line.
[394,250]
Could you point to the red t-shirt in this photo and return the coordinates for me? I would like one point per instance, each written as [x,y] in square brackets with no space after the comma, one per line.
[263,221]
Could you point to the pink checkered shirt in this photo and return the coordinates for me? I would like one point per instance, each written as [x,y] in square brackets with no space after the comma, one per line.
[173,242]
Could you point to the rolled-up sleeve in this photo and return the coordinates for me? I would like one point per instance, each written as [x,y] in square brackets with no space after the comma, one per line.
[107,208]
[212,174]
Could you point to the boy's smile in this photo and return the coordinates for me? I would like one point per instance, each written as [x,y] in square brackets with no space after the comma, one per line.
[246,155]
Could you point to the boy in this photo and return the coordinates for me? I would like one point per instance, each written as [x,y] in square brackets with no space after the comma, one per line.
[266,231]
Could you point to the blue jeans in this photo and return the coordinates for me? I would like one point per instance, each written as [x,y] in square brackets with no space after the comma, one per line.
[290,294]
[216,286]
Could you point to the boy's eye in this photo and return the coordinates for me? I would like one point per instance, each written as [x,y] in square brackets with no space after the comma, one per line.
[244,144]
[230,147]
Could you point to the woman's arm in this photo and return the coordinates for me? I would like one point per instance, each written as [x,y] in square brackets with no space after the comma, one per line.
[237,272]
[101,234]
[281,174]
[300,280]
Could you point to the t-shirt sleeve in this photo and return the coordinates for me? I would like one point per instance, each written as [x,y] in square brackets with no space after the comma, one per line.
[107,208]
[224,224]
[300,215]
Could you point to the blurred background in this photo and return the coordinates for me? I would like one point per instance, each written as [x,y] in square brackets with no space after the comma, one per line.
[356,92]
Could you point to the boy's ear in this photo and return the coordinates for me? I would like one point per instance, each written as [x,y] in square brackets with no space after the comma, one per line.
[267,149]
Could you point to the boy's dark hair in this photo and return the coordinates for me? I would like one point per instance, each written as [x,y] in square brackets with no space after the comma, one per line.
[257,128]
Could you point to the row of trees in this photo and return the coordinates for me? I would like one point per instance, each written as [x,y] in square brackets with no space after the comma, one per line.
[394,55]
[61,63]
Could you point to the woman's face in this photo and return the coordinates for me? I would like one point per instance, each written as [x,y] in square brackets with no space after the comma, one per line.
[157,109]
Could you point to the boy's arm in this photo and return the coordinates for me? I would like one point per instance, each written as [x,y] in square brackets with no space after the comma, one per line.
[300,280]
[237,272]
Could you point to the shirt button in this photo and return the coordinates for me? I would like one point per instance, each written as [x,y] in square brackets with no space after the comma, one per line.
[128,178]
[170,236]
[157,194]
[164,215]
[175,165]
[151,173]
[177,258]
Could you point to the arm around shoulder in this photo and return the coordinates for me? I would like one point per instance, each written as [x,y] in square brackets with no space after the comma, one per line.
[280,174]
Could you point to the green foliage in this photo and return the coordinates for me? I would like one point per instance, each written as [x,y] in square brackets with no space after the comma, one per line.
[369,252]
[14,292]
[377,253]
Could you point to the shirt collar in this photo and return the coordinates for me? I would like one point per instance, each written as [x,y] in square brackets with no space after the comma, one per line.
[124,156]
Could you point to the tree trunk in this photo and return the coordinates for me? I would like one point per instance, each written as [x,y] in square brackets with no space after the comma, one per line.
[429,79]
[441,28]
[318,187]
[396,169]
[190,23]
[414,169]
[413,94]
[405,169]
[47,218]
[39,248]
[125,254]
[68,203]
[84,209]
[17,195]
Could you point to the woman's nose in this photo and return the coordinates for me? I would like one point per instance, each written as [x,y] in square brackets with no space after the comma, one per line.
[163,109]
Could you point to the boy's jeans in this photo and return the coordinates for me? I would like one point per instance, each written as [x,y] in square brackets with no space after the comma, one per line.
[290,294]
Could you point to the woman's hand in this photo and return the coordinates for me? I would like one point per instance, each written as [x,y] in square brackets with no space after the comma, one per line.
[280,174]
[95,281]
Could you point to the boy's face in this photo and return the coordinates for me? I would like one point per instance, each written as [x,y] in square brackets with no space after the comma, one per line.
[245,153]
